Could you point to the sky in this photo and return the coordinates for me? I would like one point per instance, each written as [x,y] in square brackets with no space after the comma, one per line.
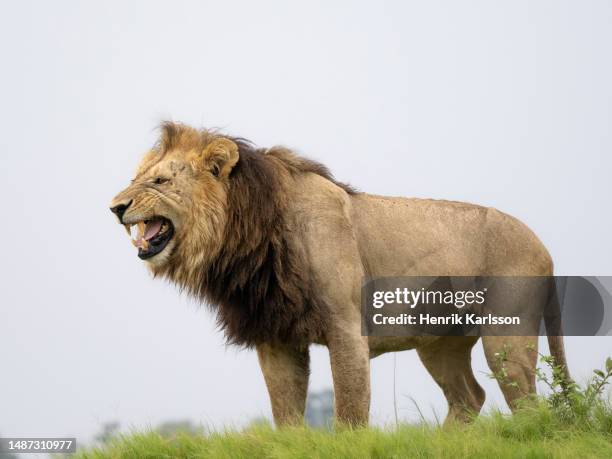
[504,104]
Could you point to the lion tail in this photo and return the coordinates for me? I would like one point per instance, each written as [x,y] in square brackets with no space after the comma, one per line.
[554,330]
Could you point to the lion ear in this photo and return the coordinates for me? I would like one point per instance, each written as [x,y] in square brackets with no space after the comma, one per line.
[220,156]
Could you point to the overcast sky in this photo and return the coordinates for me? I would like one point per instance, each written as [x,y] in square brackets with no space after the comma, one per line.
[506,104]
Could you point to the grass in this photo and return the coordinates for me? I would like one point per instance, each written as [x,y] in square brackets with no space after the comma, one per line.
[534,432]
[571,421]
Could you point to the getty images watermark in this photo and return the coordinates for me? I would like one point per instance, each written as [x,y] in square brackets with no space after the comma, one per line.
[503,306]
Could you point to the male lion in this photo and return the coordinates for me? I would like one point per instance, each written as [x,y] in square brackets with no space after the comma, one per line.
[280,249]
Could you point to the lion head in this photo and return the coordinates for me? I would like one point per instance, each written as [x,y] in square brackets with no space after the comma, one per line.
[175,207]
[209,212]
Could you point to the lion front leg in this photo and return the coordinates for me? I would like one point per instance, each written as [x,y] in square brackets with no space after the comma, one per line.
[286,370]
[350,363]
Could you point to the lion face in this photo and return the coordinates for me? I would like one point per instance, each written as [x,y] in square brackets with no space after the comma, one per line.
[176,202]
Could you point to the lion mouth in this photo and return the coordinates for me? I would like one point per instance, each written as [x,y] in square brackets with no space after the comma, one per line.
[151,236]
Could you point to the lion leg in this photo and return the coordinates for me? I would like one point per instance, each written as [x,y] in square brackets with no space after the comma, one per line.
[512,360]
[350,363]
[286,371]
[448,360]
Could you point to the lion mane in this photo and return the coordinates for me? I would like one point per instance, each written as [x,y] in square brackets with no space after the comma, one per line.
[259,285]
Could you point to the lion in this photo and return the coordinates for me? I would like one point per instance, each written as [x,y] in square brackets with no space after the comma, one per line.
[280,249]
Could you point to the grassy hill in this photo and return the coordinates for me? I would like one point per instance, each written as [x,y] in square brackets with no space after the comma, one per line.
[532,433]
[571,421]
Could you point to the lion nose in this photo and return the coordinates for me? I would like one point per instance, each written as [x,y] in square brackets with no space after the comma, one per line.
[120,209]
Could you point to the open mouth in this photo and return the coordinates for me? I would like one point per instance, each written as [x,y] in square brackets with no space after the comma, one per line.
[151,236]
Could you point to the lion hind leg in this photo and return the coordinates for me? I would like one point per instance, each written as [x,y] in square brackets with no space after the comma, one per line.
[448,360]
[513,359]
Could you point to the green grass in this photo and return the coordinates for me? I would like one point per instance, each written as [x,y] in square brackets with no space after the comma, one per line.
[571,421]
[534,432]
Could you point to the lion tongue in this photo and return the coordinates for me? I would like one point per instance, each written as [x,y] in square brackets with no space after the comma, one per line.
[152,228]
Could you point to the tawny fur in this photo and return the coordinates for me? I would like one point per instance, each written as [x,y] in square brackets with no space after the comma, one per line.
[280,249]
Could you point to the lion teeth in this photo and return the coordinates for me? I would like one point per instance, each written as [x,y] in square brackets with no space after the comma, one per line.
[137,232]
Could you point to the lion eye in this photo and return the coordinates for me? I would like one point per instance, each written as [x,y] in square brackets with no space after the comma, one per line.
[160,180]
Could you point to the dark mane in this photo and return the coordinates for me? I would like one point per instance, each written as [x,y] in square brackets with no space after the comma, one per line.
[293,163]
[259,284]
[261,287]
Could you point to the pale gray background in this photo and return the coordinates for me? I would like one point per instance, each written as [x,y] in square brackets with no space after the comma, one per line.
[506,104]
